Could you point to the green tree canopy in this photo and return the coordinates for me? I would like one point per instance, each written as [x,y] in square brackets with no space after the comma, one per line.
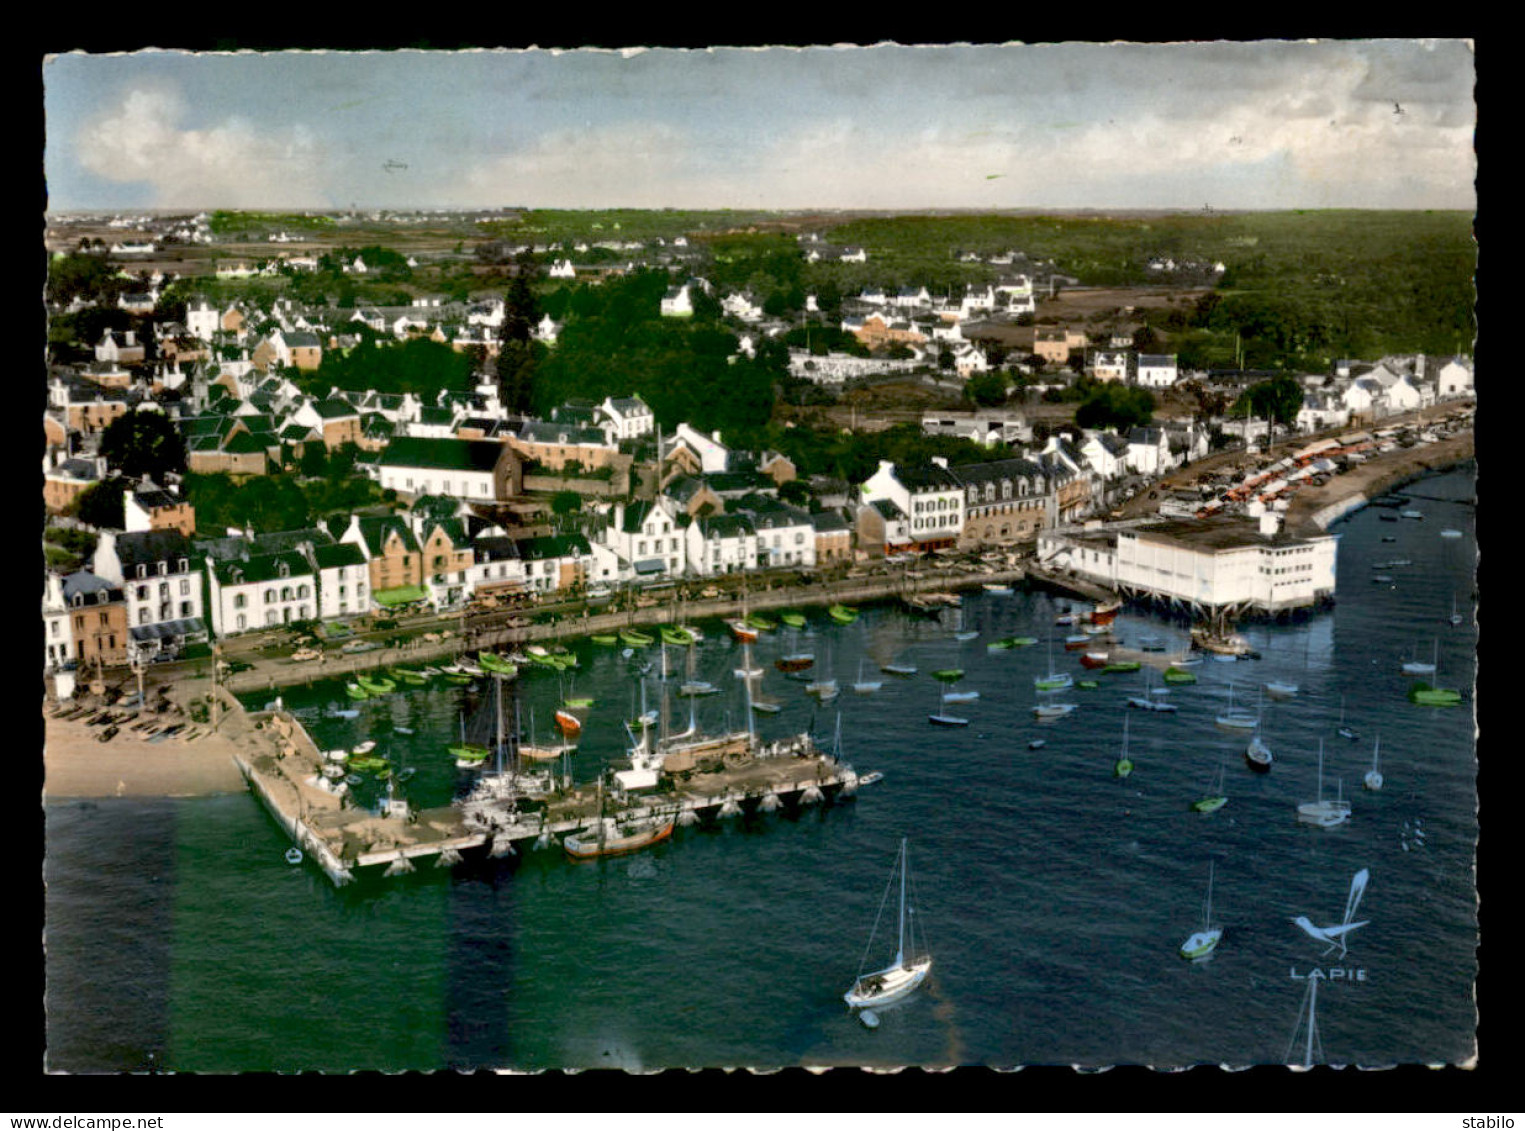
[101,504]
[143,443]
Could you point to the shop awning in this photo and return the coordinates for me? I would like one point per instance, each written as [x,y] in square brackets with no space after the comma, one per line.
[650,565]
[402,595]
[165,630]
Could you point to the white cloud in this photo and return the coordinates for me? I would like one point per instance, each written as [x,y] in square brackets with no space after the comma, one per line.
[232,164]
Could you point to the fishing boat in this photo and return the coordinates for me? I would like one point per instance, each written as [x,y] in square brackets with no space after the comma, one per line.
[606,638]
[1088,685]
[795,662]
[614,836]
[948,675]
[865,686]
[377,685]
[1077,642]
[909,968]
[1373,778]
[680,637]
[1122,666]
[365,747]
[761,623]
[635,638]
[1323,812]
[922,606]
[842,614]
[1236,718]
[410,676]
[1213,801]
[742,631]
[1053,710]
[792,619]
[1095,660]
[492,662]
[1105,613]
[1124,765]
[898,669]
[1202,943]
[355,691]
[570,724]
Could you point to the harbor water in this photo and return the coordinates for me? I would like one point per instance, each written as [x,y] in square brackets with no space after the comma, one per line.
[1053,896]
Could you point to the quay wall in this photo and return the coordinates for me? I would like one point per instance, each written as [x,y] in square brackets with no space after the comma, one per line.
[271,674]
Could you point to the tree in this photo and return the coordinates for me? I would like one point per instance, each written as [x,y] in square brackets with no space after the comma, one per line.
[564,504]
[143,443]
[516,353]
[986,389]
[101,504]
[795,491]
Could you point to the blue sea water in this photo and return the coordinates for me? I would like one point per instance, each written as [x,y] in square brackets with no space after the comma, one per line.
[1052,896]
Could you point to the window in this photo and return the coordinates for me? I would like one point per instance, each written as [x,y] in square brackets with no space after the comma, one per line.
[103,619]
[271,617]
[182,566]
[302,592]
[185,608]
[185,588]
[269,596]
[143,616]
[239,600]
[142,592]
[142,571]
[163,589]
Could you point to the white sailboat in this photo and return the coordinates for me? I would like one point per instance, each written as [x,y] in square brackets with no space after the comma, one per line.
[1239,719]
[908,970]
[1324,813]
[1416,666]
[1345,731]
[1373,778]
[1202,943]
[866,686]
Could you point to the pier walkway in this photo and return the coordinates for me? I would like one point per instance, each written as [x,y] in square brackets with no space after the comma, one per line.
[342,839]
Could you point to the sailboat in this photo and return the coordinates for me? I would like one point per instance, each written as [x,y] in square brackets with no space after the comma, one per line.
[1416,666]
[1455,618]
[1373,778]
[825,688]
[1310,1007]
[941,718]
[908,970]
[1257,753]
[866,686]
[1345,731]
[1428,695]
[1054,681]
[1149,700]
[1233,719]
[1324,813]
[1124,765]
[1215,800]
[1202,943]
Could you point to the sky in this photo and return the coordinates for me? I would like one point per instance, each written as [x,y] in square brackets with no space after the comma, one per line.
[1232,125]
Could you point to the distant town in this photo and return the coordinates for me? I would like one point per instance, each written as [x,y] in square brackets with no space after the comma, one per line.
[264,425]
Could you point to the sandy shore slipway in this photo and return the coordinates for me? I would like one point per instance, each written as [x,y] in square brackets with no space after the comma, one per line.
[195,763]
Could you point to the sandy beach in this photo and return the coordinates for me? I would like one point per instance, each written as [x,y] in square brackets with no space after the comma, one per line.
[78,765]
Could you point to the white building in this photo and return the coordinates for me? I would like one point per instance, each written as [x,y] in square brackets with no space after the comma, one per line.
[1156,371]
[261,591]
[931,498]
[159,577]
[631,417]
[722,543]
[343,580]
[1208,564]
[1454,379]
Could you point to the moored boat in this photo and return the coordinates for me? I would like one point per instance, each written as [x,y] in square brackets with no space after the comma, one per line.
[842,614]
[609,836]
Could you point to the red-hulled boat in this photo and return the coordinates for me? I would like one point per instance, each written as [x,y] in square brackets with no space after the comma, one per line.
[570,724]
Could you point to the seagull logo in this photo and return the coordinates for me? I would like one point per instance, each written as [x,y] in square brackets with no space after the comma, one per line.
[1337,936]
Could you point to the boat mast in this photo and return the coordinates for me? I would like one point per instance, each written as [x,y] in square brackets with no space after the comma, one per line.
[900,945]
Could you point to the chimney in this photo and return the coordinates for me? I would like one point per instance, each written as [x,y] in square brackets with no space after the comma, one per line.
[1270,522]
[941,461]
